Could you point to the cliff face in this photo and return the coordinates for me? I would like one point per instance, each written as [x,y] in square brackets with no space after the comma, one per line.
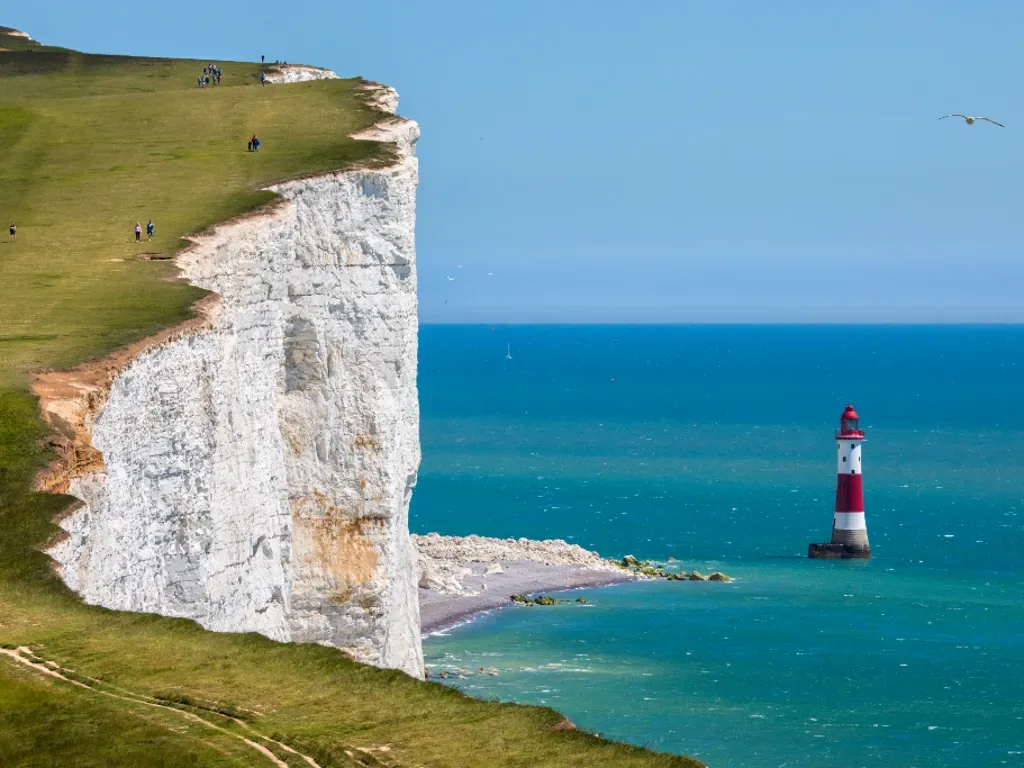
[256,475]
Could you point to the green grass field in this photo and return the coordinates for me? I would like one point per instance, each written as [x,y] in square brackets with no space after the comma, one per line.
[88,146]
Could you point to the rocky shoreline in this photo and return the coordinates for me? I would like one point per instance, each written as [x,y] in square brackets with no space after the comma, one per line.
[463,576]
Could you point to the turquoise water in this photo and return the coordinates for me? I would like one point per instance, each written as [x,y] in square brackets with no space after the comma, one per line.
[714,445]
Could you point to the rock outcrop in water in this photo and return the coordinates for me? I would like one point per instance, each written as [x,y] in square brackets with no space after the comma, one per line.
[254,472]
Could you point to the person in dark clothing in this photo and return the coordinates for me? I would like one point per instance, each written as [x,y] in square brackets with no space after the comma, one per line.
[150,229]
[14,233]
[263,59]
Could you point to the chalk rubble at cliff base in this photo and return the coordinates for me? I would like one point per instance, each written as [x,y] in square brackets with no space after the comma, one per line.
[447,562]
[462,576]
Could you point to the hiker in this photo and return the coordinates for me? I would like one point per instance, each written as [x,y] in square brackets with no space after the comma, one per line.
[250,145]
[199,82]
[255,144]
[150,229]
[14,233]
[263,78]
[263,59]
[138,232]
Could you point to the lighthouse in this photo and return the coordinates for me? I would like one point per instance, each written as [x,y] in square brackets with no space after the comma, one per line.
[849,531]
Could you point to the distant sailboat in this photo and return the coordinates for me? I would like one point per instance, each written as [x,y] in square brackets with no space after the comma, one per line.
[508,354]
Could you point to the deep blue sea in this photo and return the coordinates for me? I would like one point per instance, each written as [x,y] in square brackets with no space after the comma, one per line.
[714,445]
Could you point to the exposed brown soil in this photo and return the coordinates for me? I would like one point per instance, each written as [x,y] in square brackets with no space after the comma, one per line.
[70,400]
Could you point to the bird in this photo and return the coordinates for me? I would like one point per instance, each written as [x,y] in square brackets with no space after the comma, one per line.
[451,279]
[971,120]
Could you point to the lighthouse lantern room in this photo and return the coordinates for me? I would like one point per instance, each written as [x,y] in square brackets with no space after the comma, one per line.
[849,531]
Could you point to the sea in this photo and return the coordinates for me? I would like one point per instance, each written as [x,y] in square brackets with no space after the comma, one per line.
[714,446]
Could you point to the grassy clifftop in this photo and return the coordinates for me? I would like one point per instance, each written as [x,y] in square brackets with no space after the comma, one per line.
[91,145]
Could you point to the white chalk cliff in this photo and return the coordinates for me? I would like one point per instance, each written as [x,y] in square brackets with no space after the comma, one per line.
[256,474]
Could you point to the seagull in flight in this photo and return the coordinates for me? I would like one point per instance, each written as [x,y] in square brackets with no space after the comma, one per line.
[971,120]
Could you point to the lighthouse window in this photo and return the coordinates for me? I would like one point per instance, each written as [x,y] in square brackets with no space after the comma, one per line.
[844,459]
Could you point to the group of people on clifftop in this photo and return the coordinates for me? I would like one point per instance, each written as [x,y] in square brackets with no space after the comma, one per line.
[211,74]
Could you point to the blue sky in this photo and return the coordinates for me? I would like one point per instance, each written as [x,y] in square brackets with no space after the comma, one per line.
[668,161]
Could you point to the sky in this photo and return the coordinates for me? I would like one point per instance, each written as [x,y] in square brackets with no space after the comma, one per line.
[667,160]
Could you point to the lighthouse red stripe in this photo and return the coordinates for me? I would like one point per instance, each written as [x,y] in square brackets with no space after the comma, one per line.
[850,493]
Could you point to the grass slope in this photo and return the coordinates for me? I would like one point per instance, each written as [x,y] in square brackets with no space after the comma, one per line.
[90,145]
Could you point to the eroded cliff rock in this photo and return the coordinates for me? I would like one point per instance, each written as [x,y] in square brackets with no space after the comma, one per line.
[256,472]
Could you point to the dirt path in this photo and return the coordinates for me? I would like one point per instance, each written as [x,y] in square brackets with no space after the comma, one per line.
[53,670]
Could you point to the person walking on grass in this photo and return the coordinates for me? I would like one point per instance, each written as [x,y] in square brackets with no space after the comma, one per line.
[150,229]
[263,78]
[14,233]
[138,232]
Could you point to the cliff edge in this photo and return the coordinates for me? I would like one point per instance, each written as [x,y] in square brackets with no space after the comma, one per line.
[253,470]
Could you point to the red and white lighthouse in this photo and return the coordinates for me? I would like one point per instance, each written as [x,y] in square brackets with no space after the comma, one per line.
[849,531]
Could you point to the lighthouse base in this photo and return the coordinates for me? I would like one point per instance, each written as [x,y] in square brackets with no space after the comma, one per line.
[837,552]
